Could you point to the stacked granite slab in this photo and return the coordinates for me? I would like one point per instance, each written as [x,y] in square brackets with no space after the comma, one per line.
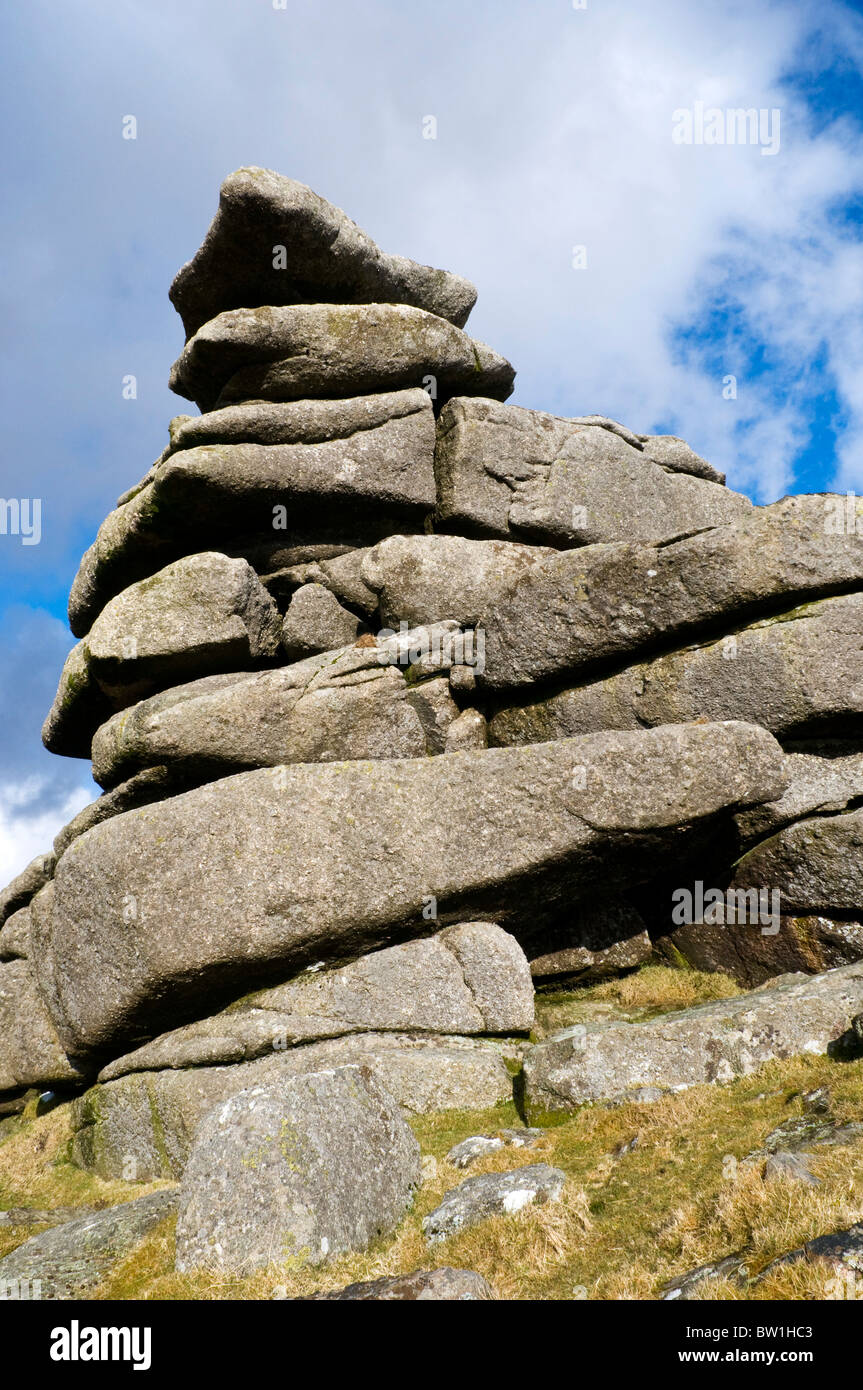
[402,699]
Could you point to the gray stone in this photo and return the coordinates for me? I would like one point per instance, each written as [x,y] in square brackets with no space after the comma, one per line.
[316,622]
[351,703]
[676,455]
[478,1145]
[789,1167]
[469,730]
[325,256]
[15,936]
[200,615]
[18,893]
[752,956]
[826,778]
[358,470]
[274,869]
[685,1286]
[493,1194]
[599,940]
[713,1042]
[425,579]
[73,1258]
[472,978]
[141,1126]
[796,674]
[441,1285]
[41,1216]
[30,1051]
[816,865]
[589,608]
[152,784]
[296,1172]
[509,472]
[283,354]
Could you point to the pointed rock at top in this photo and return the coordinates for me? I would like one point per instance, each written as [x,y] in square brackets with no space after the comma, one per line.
[275,241]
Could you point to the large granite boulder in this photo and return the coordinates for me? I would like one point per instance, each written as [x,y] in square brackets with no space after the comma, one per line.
[310,350]
[604,605]
[30,1052]
[355,702]
[18,893]
[296,1172]
[276,241]
[606,1060]
[201,615]
[800,674]
[823,776]
[349,472]
[275,869]
[509,472]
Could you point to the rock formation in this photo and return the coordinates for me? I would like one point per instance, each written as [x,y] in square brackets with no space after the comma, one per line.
[404,699]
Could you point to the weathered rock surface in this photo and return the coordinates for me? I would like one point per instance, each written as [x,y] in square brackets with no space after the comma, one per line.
[709,1043]
[73,1258]
[15,936]
[426,579]
[274,869]
[674,453]
[593,607]
[442,1285]
[201,615]
[816,865]
[841,1252]
[358,470]
[317,622]
[152,784]
[471,978]
[142,1125]
[30,1052]
[296,1172]
[284,354]
[326,257]
[752,956]
[355,702]
[799,674]
[493,1194]
[18,893]
[735,1267]
[823,776]
[509,472]
[478,1145]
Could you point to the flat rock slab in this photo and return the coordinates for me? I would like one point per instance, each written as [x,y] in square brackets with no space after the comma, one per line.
[470,979]
[826,777]
[426,579]
[356,470]
[142,1126]
[325,257]
[350,703]
[73,1258]
[440,1285]
[816,865]
[604,605]
[493,1194]
[605,1061]
[273,870]
[685,1286]
[312,350]
[296,1172]
[509,472]
[199,616]
[800,674]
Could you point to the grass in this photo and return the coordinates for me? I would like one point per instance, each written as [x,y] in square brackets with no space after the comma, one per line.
[630,1217]
[652,990]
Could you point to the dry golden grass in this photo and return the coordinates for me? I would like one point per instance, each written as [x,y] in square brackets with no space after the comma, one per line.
[629,1220]
[652,990]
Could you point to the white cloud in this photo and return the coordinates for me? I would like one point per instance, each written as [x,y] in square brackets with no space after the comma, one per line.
[25,833]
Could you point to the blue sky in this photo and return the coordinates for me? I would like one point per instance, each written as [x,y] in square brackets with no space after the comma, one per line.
[554,131]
